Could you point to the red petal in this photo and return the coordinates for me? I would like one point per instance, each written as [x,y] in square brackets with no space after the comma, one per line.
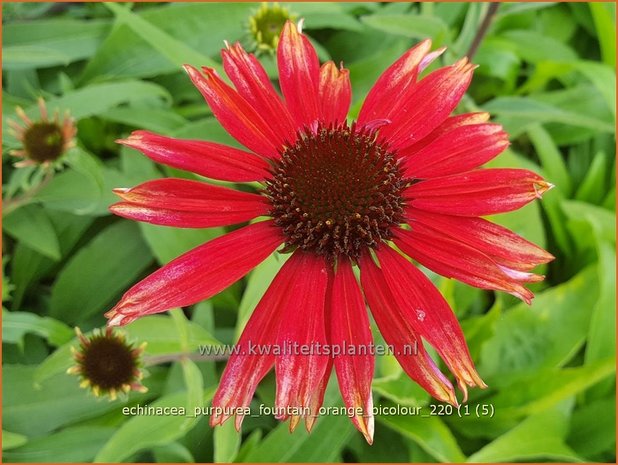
[477,193]
[299,75]
[317,399]
[198,274]
[255,357]
[393,85]
[335,93]
[351,334]
[208,159]
[503,245]
[253,84]
[300,368]
[451,123]
[454,259]
[427,104]
[461,149]
[398,333]
[235,114]
[422,306]
[188,204]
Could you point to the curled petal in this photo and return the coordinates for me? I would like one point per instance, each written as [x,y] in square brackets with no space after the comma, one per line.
[504,246]
[253,359]
[350,329]
[398,333]
[428,104]
[253,84]
[235,114]
[454,259]
[461,149]
[428,314]
[188,204]
[299,75]
[335,93]
[477,193]
[198,274]
[207,159]
[392,86]
[301,369]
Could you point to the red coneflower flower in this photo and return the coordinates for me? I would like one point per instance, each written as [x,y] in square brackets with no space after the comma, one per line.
[337,195]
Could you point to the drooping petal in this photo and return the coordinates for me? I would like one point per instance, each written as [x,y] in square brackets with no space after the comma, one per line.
[317,398]
[477,193]
[335,93]
[393,85]
[397,332]
[461,149]
[198,274]
[254,356]
[351,333]
[503,245]
[188,204]
[427,104]
[300,369]
[207,159]
[452,258]
[253,84]
[428,314]
[235,114]
[299,75]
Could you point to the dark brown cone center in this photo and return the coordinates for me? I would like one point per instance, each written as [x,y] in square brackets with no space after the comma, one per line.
[337,191]
[44,141]
[109,363]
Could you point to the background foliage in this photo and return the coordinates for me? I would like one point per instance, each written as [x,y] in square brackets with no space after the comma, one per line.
[547,72]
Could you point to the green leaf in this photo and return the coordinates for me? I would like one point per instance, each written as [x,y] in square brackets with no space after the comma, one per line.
[124,53]
[227,442]
[534,47]
[74,444]
[593,428]
[97,98]
[31,225]
[547,334]
[532,111]
[537,438]
[145,431]
[413,26]
[36,410]
[401,389]
[322,445]
[259,280]
[168,243]
[12,440]
[551,159]
[605,24]
[534,393]
[51,42]
[429,432]
[176,51]
[173,452]
[155,331]
[15,325]
[98,272]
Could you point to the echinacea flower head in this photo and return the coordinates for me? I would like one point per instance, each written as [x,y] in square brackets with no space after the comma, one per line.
[401,182]
[44,141]
[265,26]
[107,363]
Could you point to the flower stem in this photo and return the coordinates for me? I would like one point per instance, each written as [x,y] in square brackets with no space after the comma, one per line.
[10,205]
[482,30]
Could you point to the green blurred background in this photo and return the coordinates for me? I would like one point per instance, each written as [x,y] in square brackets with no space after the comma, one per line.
[546,72]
